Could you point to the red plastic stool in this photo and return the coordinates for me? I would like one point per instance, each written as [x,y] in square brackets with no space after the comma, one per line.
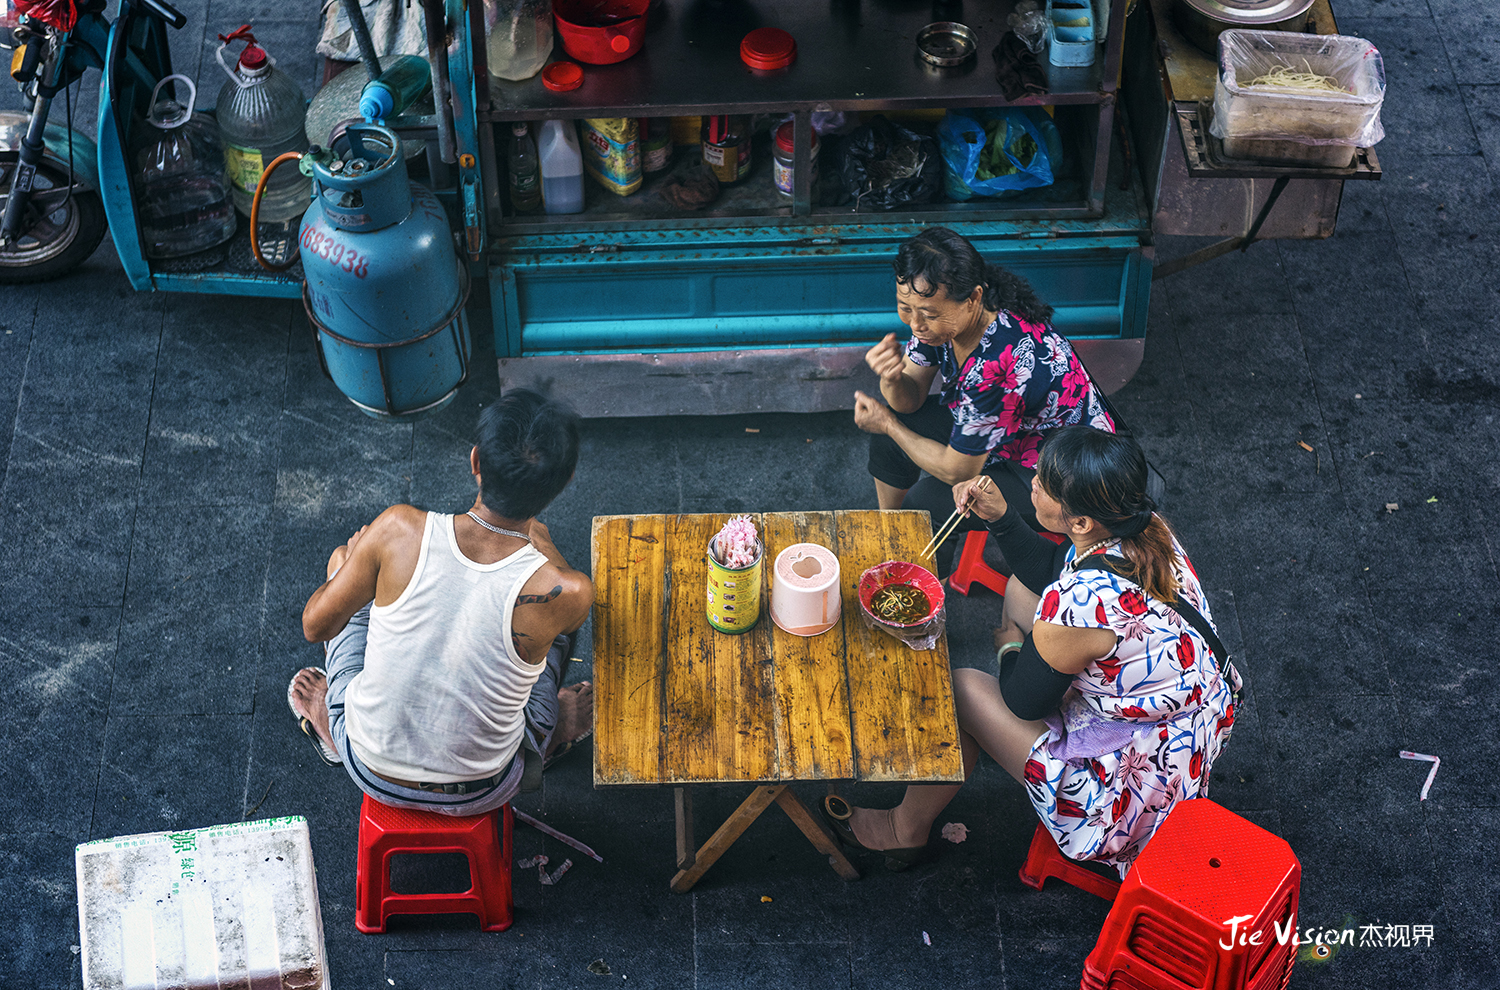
[1171,920]
[971,566]
[385,831]
[1045,860]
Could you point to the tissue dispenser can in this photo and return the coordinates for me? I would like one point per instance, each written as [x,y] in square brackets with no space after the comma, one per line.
[805,590]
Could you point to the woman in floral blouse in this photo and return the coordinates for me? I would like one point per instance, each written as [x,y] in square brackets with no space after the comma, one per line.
[1009,380]
[1111,707]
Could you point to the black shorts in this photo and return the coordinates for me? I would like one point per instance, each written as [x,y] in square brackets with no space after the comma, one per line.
[890,464]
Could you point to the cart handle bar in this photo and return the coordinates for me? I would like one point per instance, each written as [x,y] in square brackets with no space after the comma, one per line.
[166,12]
[260,189]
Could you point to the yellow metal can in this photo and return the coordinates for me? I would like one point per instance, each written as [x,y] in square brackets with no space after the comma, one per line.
[733,593]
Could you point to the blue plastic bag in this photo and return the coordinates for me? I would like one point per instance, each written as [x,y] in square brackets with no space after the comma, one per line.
[963,137]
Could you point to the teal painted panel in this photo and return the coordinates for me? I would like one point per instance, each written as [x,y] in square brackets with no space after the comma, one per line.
[639,299]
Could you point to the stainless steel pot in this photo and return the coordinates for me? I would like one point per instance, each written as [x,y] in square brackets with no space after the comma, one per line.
[1202,20]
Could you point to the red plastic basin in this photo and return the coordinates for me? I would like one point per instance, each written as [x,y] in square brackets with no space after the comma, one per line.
[601,32]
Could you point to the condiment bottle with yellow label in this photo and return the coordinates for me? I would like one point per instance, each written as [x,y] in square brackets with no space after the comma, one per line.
[726,147]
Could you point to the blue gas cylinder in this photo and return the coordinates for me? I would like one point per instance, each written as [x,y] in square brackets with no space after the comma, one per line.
[384,288]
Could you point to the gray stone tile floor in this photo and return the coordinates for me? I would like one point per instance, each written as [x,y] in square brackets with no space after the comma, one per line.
[175,471]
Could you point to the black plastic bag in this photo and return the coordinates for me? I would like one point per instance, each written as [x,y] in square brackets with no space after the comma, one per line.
[886,166]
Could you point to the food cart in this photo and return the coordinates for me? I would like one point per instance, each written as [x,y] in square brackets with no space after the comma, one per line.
[760,302]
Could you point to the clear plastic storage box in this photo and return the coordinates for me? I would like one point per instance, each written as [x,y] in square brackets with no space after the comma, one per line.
[204,909]
[1276,123]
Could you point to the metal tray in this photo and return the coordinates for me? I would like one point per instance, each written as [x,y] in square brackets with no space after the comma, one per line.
[1206,158]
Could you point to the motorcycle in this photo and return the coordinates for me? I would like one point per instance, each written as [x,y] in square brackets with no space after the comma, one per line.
[53,215]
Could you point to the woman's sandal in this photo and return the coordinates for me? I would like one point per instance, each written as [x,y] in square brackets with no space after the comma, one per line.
[836,812]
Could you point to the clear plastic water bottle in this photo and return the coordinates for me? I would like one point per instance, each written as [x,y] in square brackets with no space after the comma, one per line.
[517,38]
[261,112]
[179,165]
[525,171]
[562,167]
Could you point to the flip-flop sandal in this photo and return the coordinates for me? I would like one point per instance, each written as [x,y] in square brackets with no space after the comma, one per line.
[566,747]
[328,756]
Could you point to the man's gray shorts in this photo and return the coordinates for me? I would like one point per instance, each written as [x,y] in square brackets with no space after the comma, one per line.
[346,657]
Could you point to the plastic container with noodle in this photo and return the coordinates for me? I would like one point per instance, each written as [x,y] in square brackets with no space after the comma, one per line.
[920,634]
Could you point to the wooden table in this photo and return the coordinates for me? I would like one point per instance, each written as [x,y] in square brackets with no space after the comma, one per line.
[678,703]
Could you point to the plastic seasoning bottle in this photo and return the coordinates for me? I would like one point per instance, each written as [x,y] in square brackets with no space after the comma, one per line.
[525,171]
[726,147]
[184,203]
[402,82]
[562,167]
[656,144]
[781,152]
[261,112]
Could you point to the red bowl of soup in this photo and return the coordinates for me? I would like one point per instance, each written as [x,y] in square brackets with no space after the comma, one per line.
[885,594]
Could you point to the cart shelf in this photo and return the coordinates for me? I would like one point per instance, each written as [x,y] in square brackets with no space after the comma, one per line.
[848,58]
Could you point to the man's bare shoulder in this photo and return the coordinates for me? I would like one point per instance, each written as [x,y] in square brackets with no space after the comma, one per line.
[398,524]
[561,585]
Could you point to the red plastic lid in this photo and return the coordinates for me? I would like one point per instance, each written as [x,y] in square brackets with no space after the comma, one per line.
[768,48]
[560,77]
[253,57]
[784,137]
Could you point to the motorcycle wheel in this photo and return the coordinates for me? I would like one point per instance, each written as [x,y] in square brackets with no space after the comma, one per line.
[51,243]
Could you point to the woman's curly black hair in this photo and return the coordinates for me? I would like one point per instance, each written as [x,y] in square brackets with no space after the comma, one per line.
[940,257]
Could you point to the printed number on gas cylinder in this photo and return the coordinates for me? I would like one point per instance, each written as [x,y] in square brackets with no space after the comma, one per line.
[330,249]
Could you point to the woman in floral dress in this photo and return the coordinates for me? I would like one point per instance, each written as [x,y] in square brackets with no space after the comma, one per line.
[1112,707]
[1009,380]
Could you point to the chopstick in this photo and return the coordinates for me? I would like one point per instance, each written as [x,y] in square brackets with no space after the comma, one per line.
[959,515]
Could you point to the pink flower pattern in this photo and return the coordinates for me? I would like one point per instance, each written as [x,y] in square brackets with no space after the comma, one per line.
[1022,382]
[1161,676]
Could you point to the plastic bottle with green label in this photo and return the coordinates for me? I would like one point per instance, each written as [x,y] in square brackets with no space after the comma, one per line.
[261,113]
[403,81]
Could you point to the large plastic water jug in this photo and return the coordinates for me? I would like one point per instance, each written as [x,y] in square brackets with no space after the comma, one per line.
[179,165]
[261,111]
[562,167]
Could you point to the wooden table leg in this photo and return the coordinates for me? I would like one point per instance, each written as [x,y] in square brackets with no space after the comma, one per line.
[759,800]
[687,849]
[816,834]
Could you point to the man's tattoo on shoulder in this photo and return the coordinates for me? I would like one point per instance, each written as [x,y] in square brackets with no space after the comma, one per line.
[515,641]
[539,599]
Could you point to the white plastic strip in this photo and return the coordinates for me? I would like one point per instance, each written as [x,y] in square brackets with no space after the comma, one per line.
[1407,754]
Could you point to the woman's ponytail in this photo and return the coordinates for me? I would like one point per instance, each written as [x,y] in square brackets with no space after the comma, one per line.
[1151,554]
[1103,476]
[1005,290]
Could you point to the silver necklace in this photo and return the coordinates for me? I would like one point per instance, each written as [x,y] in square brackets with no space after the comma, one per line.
[496,529]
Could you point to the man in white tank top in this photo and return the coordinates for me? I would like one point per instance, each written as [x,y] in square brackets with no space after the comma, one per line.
[447,636]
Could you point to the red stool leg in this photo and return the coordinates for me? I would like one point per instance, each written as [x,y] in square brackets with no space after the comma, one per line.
[971,566]
[370,874]
[490,862]
[1045,860]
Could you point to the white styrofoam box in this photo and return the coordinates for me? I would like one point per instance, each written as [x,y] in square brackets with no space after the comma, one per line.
[229,906]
